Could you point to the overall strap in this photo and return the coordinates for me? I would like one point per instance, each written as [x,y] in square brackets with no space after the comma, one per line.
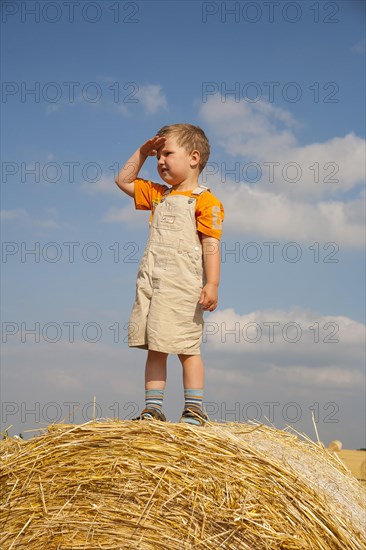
[195,193]
[165,194]
[200,189]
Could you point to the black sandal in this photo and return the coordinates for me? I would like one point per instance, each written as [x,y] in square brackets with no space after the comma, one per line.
[196,414]
[151,414]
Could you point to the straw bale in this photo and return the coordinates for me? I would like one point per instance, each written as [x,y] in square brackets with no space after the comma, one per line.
[335,445]
[164,486]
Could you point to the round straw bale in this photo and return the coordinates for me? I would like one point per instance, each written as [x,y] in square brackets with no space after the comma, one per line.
[335,445]
[164,486]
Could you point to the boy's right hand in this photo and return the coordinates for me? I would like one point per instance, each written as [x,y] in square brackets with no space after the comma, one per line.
[131,169]
[150,147]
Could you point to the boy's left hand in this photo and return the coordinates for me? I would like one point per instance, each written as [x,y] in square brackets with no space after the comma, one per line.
[209,297]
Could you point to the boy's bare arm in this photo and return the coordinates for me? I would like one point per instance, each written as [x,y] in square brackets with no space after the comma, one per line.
[132,167]
[211,263]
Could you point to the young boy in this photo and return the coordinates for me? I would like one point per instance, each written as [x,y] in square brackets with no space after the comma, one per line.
[179,273]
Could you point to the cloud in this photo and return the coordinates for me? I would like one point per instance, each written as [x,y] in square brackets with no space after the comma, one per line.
[331,377]
[241,126]
[255,212]
[317,349]
[128,215]
[122,110]
[265,134]
[115,98]
[280,380]
[105,185]
[275,187]
[359,47]
[21,215]
[71,99]
[152,98]
[75,364]
[52,108]
[46,382]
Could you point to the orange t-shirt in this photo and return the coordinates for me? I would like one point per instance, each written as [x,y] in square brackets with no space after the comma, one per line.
[209,210]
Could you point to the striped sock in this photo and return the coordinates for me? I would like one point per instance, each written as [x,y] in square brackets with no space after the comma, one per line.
[193,398]
[154,399]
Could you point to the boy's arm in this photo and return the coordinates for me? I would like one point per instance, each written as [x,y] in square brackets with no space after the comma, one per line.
[211,263]
[132,167]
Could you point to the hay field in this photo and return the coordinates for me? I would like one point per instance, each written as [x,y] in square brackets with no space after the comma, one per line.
[355,462]
[164,486]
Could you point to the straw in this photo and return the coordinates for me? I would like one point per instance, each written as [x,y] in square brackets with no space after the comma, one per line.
[154,485]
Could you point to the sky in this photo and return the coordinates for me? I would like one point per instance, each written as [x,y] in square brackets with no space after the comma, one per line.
[279,89]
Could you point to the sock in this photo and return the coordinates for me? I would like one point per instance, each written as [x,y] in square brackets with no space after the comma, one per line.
[154,399]
[193,398]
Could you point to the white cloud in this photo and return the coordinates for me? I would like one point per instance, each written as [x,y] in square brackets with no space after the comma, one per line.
[21,215]
[152,98]
[232,377]
[114,98]
[292,191]
[242,126]
[72,100]
[298,344]
[359,47]
[122,110]
[74,363]
[13,215]
[52,108]
[331,376]
[128,215]
[264,134]
[104,185]
[255,212]
[42,380]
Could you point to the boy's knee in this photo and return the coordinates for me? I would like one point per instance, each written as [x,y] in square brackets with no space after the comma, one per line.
[156,354]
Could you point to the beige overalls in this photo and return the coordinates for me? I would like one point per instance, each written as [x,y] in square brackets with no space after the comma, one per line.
[166,315]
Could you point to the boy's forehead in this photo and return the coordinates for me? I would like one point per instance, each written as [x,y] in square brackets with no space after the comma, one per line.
[170,142]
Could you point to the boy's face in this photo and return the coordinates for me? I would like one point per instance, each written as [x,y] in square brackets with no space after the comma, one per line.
[175,164]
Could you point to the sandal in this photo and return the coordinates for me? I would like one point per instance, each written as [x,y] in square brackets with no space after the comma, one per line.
[151,414]
[195,414]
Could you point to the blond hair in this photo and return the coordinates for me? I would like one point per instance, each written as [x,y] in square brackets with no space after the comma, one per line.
[190,138]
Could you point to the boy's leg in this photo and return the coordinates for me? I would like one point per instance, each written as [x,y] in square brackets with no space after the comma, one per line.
[155,370]
[193,371]
[155,380]
[193,382]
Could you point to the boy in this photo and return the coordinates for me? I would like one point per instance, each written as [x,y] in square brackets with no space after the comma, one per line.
[179,273]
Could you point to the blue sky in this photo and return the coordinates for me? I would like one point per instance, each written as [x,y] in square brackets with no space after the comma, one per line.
[279,89]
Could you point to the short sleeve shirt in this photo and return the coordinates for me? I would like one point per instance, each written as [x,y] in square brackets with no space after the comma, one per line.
[209,210]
